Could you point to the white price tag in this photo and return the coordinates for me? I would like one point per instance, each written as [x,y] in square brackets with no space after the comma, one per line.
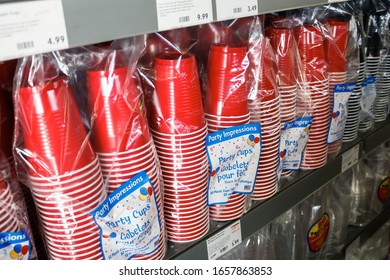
[181,13]
[224,241]
[350,158]
[228,9]
[31,27]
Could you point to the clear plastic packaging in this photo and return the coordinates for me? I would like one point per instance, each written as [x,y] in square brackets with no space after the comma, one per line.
[16,236]
[176,118]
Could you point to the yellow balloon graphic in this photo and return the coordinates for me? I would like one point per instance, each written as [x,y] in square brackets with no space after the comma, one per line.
[307,130]
[249,142]
[14,255]
[142,197]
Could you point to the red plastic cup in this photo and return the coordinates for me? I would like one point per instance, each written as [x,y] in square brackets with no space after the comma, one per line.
[209,34]
[114,104]
[53,130]
[282,41]
[227,91]
[177,107]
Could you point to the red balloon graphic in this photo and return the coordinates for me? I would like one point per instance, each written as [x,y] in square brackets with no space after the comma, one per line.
[150,191]
[257,140]
[25,249]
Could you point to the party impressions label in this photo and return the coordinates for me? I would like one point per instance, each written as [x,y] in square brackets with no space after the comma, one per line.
[293,141]
[234,157]
[341,94]
[129,220]
[14,246]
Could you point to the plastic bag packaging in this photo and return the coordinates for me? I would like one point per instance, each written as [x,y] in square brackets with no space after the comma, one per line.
[176,118]
[108,80]
[357,31]
[226,107]
[313,85]
[370,188]
[373,50]
[383,81]
[289,235]
[259,246]
[375,248]
[339,203]
[264,107]
[55,159]
[15,231]
[315,219]
[343,63]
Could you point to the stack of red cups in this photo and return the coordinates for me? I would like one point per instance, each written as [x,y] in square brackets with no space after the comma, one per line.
[8,217]
[313,97]
[283,43]
[264,108]
[179,130]
[64,172]
[335,54]
[120,135]
[226,105]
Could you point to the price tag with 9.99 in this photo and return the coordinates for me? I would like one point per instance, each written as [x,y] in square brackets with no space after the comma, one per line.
[182,13]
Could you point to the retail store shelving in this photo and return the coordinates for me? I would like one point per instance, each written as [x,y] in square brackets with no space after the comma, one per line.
[94,21]
[291,194]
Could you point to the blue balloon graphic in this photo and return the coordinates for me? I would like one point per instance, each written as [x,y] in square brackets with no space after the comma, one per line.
[217,169]
[144,191]
[112,234]
[17,248]
[251,137]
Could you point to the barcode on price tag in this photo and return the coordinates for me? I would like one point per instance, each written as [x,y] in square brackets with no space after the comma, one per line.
[181,13]
[224,241]
[350,158]
[229,9]
[31,27]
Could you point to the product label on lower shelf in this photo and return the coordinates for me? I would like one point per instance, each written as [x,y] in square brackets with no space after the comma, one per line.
[224,241]
[181,13]
[318,233]
[230,9]
[129,220]
[350,158]
[234,155]
[15,246]
[293,141]
[32,27]
[341,94]
[383,190]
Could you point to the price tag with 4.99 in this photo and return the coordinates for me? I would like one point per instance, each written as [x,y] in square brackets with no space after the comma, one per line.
[32,27]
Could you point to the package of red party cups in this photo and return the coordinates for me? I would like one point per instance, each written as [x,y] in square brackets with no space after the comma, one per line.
[17,240]
[176,118]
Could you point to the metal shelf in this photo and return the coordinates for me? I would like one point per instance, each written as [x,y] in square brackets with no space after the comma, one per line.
[305,184]
[94,21]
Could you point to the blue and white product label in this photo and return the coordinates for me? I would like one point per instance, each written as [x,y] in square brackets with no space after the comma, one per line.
[15,246]
[368,98]
[341,94]
[129,220]
[293,141]
[234,155]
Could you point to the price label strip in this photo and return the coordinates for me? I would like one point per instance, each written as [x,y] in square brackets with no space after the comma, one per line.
[350,158]
[32,27]
[229,9]
[224,241]
[181,13]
